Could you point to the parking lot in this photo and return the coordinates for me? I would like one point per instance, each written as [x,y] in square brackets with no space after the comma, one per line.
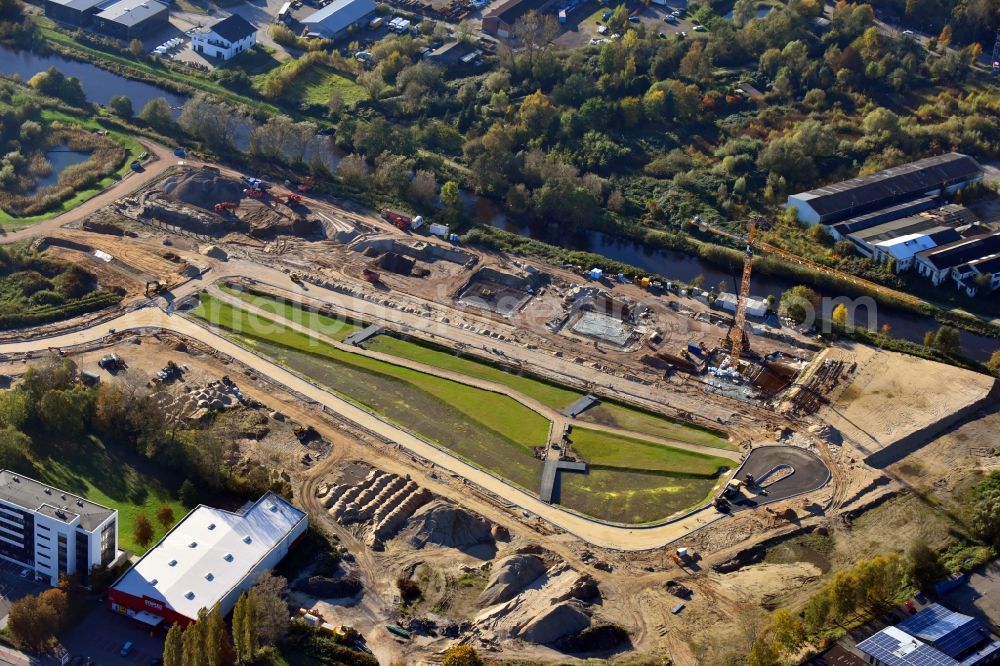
[13,586]
[979,596]
[586,23]
[102,633]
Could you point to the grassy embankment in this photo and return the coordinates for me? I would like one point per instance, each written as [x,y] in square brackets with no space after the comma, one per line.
[492,431]
[114,479]
[550,395]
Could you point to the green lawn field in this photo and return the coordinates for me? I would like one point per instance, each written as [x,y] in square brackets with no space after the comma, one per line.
[609,450]
[634,481]
[626,418]
[338,329]
[116,480]
[491,430]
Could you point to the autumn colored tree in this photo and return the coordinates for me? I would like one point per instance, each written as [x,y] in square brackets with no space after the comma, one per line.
[142,530]
[165,516]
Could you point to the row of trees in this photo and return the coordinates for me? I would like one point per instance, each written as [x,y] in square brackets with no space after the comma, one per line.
[260,622]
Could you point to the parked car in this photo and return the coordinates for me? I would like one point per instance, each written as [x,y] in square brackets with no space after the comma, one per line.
[634,19]
[126,649]
[25,573]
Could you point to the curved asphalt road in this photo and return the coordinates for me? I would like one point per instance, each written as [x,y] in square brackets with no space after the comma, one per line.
[810,474]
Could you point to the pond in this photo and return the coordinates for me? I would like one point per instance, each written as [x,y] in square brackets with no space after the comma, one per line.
[60,159]
[683,267]
[99,85]
[760,12]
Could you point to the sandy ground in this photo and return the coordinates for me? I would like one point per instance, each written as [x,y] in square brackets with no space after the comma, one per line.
[893,395]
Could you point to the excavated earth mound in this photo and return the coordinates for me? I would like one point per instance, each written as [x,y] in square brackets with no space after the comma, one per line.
[445,524]
[557,621]
[204,189]
[510,576]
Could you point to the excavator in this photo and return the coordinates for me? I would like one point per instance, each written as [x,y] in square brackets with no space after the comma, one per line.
[226,206]
[288,198]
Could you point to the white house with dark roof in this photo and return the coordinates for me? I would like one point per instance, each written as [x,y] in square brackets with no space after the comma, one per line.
[226,39]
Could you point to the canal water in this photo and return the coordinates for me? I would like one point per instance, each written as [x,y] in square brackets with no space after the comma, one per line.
[675,265]
[98,84]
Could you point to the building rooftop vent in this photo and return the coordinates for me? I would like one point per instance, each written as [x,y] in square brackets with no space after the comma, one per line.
[209,576]
[228,557]
[189,596]
[172,563]
[272,508]
[211,526]
[193,544]
[247,539]
[154,582]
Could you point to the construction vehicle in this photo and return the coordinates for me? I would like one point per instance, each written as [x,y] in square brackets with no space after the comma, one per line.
[307,184]
[296,277]
[737,334]
[136,166]
[255,193]
[289,199]
[153,287]
[371,276]
[402,222]
[226,206]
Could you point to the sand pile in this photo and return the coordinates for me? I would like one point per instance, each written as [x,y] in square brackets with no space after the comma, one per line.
[444,524]
[203,189]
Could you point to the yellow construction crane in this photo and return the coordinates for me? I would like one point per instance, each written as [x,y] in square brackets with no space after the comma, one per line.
[737,336]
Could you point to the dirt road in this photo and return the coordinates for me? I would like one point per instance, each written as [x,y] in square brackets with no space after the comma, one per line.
[161,158]
[599,534]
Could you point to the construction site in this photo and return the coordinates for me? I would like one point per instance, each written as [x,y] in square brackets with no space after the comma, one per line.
[561,467]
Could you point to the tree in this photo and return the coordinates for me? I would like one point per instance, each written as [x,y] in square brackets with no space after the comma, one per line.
[452,201]
[800,304]
[788,630]
[354,171]
[217,647]
[33,620]
[929,339]
[461,655]
[886,329]
[986,509]
[537,113]
[173,647]
[994,362]
[947,340]
[165,516]
[14,447]
[839,315]
[135,48]
[121,105]
[269,596]
[422,188]
[156,113]
[15,408]
[925,566]
[534,31]
[187,494]
[142,530]
[246,628]
[193,651]
[66,413]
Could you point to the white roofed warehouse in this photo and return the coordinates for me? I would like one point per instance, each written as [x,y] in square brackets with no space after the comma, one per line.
[211,557]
